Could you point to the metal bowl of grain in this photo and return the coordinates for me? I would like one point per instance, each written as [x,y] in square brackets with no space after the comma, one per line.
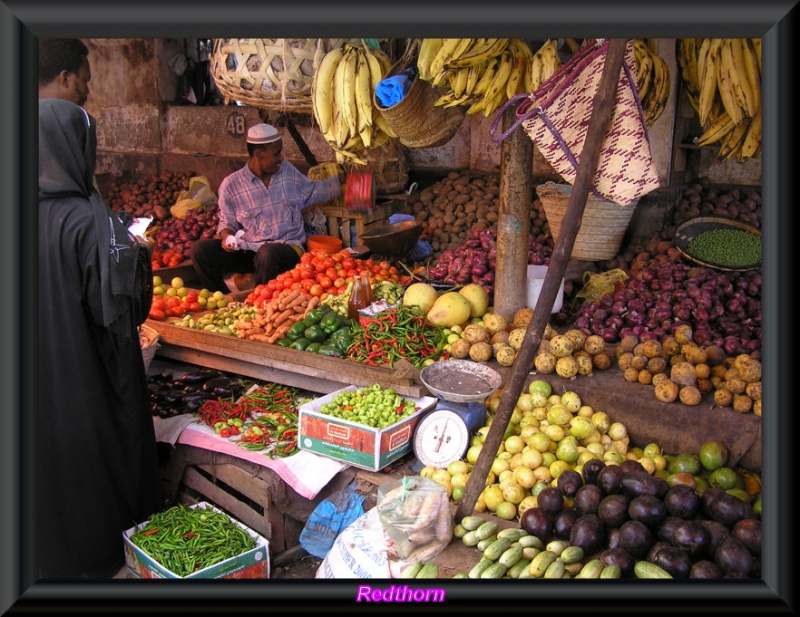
[394,239]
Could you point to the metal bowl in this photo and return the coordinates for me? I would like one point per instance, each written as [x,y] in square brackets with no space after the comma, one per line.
[392,238]
[688,231]
[460,381]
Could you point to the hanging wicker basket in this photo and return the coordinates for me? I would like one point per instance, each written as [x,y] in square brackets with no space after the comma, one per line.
[416,121]
[271,74]
[148,339]
[603,225]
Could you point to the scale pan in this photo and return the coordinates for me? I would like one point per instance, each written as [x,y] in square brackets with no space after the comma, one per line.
[460,381]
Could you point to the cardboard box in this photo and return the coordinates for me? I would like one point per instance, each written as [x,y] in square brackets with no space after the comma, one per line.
[251,564]
[536,276]
[357,444]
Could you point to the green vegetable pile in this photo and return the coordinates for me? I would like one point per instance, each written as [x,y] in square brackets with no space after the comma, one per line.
[728,248]
[185,540]
[374,406]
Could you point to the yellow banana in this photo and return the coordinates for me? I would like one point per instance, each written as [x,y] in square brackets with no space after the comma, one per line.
[551,61]
[486,77]
[363,93]
[708,80]
[458,81]
[499,80]
[751,144]
[522,55]
[748,100]
[383,60]
[375,69]
[752,74]
[427,52]
[720,126]
[442,56]
[340,126]
[463,46]
[478,55]
[381,123]
[730,143]
[659,92]
[322,89]
[534,74]
[473,74]
[350,108]
[756,43]
[644,68]
[726,83]
[687,58]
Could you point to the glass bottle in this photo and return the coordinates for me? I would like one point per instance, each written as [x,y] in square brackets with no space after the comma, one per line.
[360,297]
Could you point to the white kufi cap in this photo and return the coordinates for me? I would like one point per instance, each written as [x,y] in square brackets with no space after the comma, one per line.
[262,134]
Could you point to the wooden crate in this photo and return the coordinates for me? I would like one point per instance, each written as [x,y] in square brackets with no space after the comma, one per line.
[341,223]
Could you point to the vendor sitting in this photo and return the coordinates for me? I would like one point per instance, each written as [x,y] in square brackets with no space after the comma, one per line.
[261,228]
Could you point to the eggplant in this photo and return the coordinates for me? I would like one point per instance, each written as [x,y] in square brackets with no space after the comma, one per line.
[197,377]
[217,382]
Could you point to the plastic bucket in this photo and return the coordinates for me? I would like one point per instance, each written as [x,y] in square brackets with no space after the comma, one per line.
[328,244]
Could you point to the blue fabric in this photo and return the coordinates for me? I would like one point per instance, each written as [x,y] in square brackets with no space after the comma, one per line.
[329,519]
[390,91]
[422,250]
[400,218]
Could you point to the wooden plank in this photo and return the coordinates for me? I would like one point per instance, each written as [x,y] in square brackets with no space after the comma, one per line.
[280,364]
[222,498]
[245,483]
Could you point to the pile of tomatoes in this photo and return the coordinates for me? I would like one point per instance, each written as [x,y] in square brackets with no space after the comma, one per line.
[322,274]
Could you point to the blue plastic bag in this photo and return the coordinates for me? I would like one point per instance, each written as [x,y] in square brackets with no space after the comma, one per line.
[329,518]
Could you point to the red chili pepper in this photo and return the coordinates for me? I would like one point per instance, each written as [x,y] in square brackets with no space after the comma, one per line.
[151,532]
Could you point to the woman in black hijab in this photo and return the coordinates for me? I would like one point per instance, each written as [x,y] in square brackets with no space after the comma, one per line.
[98,470]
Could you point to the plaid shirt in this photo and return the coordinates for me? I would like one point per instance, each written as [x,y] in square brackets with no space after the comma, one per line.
[271,214]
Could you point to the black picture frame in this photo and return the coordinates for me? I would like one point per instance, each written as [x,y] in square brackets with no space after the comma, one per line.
[22,21]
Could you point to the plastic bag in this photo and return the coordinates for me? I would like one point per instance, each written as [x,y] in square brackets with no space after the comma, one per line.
[415,512]
[360,551]
[198,195]
[596,285]
[329,518]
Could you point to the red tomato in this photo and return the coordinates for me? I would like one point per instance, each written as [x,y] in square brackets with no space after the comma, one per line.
[319,266]
[331,273]
[307,283]
[157,314]
[326,282]
[194,307]
[316,290]
[191,296]
[348,263]
[178,310]
[339,282]
[306,258]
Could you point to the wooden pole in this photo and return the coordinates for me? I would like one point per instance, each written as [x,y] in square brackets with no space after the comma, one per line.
[587,168]
[514,220]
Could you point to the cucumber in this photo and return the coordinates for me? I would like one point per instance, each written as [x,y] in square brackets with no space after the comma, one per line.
[557,546]
[531,541]
[482,545]
[479,567]
[541,562]
[591,569]
[529,552]
[518,568]
[611,571]
[573,569]
[459,531]
[411,571]
[460,575]
[496,570]
[555,570]
[496,548]
[471,523]
[572,554]
[429,570]
[470,539]
[511,555]
[486,529]
[645,569]
[512,533]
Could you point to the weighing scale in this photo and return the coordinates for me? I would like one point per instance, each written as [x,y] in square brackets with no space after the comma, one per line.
[443,434]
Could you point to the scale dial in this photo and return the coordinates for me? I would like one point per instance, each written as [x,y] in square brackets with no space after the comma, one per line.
[441,437]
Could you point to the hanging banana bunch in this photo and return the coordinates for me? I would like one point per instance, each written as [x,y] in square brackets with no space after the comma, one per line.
[482,74]
[341,96]
[723,83]
[652,78]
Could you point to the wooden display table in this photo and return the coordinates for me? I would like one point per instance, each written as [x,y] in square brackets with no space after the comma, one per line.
[341,221]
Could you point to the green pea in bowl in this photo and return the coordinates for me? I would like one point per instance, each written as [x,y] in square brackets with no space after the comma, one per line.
[720,243]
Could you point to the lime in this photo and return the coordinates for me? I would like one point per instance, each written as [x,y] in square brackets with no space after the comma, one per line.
[713,454]
[540,385]
[685,461]
[506,510]
[724,478]
[458,492]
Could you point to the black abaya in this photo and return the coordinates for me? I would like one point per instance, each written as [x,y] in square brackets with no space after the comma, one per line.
[97,460]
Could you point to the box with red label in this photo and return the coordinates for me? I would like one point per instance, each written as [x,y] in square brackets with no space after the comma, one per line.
[356,444]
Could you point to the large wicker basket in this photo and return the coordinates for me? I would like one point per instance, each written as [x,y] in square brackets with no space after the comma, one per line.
[603,225]
[148,339]
[271,74]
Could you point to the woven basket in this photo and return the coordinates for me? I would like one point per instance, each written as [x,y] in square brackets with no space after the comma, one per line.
[603,224]
[272,74]
[416,121]
[388,167]
[148,339]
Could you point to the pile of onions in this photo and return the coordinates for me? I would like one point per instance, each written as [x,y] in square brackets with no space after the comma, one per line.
[722,308]
[475,259]
[175,235]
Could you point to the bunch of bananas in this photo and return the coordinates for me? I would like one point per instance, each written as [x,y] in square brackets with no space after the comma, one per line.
[341,97]
[652,78]
[723,84]
[482,74]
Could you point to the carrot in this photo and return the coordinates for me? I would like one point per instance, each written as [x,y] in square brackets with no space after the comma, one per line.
[243,324]
[290,297]
[261,338]
[253,331]
[279,333]
[299,299]
[301,308]
[282,317]
[313,303]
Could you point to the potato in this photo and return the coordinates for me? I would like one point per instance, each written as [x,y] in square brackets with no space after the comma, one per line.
[723,397]
[515,338]
[494,323]
[475,333]
[601,361]
[522,317]
[460,348]
[480,352]
[577,337]
[667,391]
[690,395]
[683,374]
[742,403]
[505,355]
